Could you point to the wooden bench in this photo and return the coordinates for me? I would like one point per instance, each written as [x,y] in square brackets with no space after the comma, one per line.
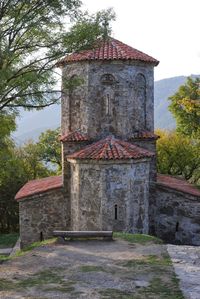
[63,235]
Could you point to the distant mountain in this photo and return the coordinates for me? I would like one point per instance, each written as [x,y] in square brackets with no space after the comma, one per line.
[162,90]
[31,124]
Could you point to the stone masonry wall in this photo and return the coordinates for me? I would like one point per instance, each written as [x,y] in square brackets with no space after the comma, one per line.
[68,148]
[99,188]
[177,216]
[151,146]
[74,111]
[116,97]
[41,214]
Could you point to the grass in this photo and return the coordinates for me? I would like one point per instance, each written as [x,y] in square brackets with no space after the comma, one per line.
[163,290]
[149,260]
[8,240]
[41,278]
[35,245]
[157,270]
[141,239]
[65,287]
[38,279]
[27,249]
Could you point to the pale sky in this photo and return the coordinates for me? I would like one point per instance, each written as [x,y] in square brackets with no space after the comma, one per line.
[168,30]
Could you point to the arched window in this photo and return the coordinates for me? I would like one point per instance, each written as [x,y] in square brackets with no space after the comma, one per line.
[107,82]
[74,103]
[107,79]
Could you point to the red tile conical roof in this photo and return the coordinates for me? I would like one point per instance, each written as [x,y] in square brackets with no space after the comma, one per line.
[109,49]
[111,148]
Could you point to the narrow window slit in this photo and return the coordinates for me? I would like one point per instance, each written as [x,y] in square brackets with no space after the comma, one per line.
[116,212]
[177,226]
[41,237]
[108,105]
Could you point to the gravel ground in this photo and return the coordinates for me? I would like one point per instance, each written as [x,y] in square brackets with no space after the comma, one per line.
[91,270]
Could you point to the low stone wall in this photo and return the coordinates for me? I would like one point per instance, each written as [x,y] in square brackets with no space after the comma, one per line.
[176,216]
[40,214]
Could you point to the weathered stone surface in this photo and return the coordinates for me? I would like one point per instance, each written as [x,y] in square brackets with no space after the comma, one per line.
[186,262]
[115,97]
[177,216]
[119,106]
[40,215]
[102,191]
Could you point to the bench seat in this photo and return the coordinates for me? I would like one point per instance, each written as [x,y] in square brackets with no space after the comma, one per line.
[83,234]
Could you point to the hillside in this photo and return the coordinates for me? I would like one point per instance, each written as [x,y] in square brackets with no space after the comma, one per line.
[31,124]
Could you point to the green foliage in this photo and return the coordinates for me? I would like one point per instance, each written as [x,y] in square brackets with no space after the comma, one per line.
[178,155]
[33,37]
[18,165]
[137,238]
[29,155]
[88,29]
[8,240]
[49,148]
[185,106]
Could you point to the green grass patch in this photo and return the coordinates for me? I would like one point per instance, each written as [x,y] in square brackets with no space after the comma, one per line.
[8,240]
[163,290]
[37,244]
[34,245]
[4,258]
[6,285]
[149,260]
[137,238]
[41,278]
[27,249]
[65,287]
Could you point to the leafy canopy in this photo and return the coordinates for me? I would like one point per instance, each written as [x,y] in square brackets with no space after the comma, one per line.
[49,148]
[178,155]
[33,36]
[185,106]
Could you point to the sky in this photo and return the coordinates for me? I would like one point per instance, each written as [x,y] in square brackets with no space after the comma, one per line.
[168,30]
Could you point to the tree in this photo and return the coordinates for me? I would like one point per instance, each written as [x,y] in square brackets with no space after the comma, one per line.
[49,148]
[18,165]
[33,166]
[33,37]
[185,106]
[178,155]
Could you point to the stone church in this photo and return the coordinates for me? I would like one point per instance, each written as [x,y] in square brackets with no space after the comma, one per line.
[109,179]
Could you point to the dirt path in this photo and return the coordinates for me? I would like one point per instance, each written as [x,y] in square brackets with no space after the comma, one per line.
[91,270]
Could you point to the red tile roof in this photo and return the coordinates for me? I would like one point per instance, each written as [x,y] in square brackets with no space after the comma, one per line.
[39,186]
[144,135]
[111,148]
[110,49]
[177,184]
[74,136]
